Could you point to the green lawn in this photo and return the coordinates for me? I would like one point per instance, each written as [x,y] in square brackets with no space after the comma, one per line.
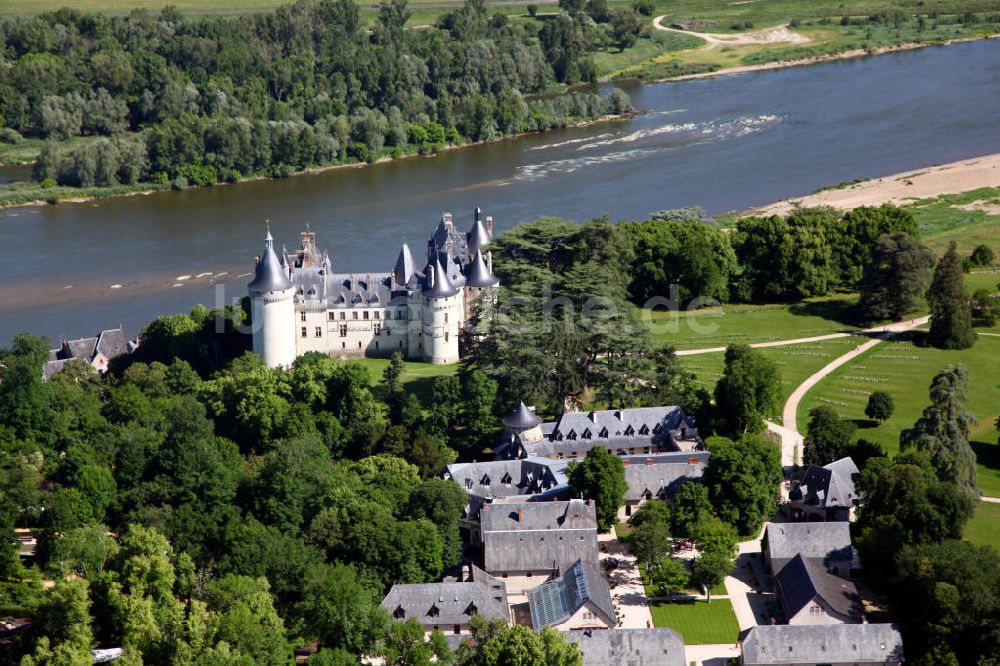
[698,622]
[984,528]
[417,377]
[905,371]
[747,324]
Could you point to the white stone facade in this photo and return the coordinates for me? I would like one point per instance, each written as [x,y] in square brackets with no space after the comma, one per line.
[301,305]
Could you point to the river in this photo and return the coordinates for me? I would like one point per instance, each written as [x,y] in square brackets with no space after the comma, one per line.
[724,143]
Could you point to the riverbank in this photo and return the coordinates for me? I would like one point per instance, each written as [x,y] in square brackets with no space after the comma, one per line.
[818,59]
[34,194]
[901,188]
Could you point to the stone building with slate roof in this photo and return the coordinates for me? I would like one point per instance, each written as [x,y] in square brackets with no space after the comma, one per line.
[624,432]
[829,645]
[629,647]
[300,304]
[828,542]
[527,543]
[658,476]
[824,493]
[577,599]
[505,481]
[809,593]
[97,351]
[449,607]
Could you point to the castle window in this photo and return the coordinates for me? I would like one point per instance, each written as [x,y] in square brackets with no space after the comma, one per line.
[343,330]
[343,345]
[378,315]
[343,316]
[359,344]
[377,328]
[399,314]
[446,336]
[304,332]
[303,316]
[366,314]
[331,315]
[446,317]
[354,315]
[319,331]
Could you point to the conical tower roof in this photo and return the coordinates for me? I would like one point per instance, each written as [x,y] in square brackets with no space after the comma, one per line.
[478,273]
[522,418]
[442,286]
[405,267]
[268,274]
[479,238]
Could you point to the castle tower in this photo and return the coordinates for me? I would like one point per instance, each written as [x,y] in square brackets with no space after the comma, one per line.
[523,422]
[442,315]
[272,296]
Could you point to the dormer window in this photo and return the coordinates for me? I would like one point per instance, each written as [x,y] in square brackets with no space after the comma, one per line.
[587,434]
[630,431]
[507,480]
[485,481]
[399,613]
[571,435]
[471,610]
[434,611]
[603,434]
[644,430]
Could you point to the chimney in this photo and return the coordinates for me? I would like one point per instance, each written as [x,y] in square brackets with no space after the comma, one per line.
[519,514]
[489,261]
[588,502]
[489,225]
[447,220]
[649,461]
[430,275]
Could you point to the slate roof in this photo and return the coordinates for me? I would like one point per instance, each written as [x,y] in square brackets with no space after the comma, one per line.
[478,237]
[555,601]
[112,343]
[578,432]
[629,647]
[441,285]
[828,486]
[823,643]
[268,273]
[660,475]
[478,274]
[533,479]
[351,290]
[449,603]
[830,542]
[538,536]
[522,417]
[405,266]
[803,579]
[569,515]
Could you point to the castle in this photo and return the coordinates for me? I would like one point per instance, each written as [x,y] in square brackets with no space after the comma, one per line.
[299,304]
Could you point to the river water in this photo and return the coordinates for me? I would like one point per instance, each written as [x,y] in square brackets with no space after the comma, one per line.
[724,143]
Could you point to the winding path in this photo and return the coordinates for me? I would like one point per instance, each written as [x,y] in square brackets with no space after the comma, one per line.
[778,34]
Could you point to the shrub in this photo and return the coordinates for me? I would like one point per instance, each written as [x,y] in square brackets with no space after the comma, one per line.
[10,135]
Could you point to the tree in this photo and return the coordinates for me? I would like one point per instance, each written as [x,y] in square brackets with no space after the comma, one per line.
[982,255]
[880,406]
[827,436]
[244,617]
[748,390]
[985,307]
[668,576]
[64,615]
[942,431]
[690,506]
[904,504]
[340,610]
[650,540]
[625,27]
[405,645]
[895,277]
[495,643]
[951,315]
[600,476]
[710,569]
[742,481]
[861,229]
[712,535]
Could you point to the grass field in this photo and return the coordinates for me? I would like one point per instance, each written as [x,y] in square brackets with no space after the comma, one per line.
[905,371]
[698,622]
[984,528]
[417,377]
[747,324]
[942,220]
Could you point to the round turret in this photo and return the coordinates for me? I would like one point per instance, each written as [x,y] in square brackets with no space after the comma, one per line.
[524,422]
[272,298]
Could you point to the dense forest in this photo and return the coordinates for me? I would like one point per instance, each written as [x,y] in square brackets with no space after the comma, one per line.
[196,100]
[196,507]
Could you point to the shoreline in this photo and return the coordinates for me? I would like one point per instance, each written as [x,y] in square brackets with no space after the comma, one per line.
[820,59]
[145,189]
[899,188]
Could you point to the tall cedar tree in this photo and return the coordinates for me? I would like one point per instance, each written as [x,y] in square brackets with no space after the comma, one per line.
[748,391]
[600,477]
[895,278]
[951,311]
[942,432]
